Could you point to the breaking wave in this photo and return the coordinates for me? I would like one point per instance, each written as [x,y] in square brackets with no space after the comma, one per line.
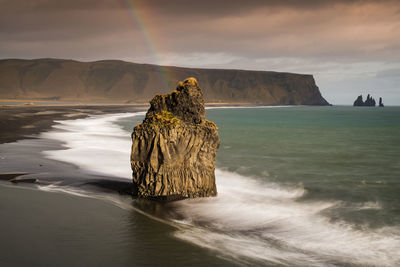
[95,144]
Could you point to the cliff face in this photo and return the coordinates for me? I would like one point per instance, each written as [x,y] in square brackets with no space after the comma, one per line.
[174,149]
[123,82]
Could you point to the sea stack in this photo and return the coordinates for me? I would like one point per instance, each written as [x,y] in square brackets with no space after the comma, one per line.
[380,102]
[369,102]
[359,102]
[174,148]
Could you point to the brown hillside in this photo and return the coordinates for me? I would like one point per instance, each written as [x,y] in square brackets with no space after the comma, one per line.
[124,82]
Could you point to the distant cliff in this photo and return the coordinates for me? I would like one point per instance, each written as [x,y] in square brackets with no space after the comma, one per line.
[124,82]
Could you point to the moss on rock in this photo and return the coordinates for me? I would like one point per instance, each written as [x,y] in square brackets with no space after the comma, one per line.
[174,149]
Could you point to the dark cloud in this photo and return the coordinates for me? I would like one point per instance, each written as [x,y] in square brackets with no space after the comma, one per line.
[176,7]
[210,8]
[340,30]
[21,6]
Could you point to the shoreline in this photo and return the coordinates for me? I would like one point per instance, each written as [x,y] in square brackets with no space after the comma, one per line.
[22,162]
[23,165]
[23,122]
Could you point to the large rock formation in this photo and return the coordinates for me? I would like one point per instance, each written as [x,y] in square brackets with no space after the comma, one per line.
[359,102]
[174,149]
[380,102]
[124,82]
[369,102]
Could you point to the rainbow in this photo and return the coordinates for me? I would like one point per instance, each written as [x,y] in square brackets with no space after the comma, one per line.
[150,38]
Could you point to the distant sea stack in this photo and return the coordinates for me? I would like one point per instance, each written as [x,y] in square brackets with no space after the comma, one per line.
[380,102]
[174,149]
[359,101]
[369,102]
[115,81]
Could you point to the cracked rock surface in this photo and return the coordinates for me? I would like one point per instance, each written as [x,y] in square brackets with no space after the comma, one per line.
[174,148]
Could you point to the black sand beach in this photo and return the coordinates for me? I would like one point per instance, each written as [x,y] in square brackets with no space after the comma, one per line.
[21,161]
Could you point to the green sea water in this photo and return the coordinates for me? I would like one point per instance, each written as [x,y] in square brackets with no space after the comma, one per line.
[323,180]
[347,154]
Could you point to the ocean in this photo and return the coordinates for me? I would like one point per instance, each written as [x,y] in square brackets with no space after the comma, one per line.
[297,186]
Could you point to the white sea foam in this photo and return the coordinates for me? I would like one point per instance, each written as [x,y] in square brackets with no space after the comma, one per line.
[266,222]
[95,144]
[65,189]
[250,220]
[368,206]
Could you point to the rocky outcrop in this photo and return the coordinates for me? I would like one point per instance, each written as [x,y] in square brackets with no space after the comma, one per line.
[359,101]
[369,102]
[174,149]
[115,81]
[380,102]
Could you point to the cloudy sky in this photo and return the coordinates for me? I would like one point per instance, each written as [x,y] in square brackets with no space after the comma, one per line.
[351,47]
